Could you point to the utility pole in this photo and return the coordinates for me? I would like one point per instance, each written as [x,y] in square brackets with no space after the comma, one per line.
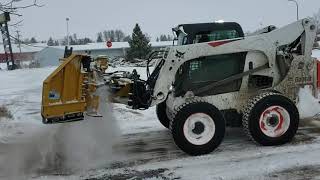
[297,7]
[4,19]
[19,42]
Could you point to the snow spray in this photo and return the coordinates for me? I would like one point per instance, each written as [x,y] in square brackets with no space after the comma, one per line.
[62,148]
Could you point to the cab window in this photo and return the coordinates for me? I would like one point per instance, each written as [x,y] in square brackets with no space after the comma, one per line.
[215,36]
[203,71]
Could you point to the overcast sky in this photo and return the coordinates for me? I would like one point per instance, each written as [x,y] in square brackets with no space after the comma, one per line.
[87,17]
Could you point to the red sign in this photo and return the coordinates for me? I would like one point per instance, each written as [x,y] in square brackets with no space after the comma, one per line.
[109,44]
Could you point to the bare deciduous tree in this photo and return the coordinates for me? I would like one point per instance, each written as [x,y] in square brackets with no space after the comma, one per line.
[13,7]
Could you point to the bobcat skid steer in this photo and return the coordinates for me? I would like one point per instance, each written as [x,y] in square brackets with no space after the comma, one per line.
[214,77]
[204,83]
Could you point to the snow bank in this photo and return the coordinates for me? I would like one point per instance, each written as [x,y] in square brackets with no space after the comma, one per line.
[142,71]
[316,53]
[308,105]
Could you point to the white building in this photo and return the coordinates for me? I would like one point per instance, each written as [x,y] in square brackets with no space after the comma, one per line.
[49,56]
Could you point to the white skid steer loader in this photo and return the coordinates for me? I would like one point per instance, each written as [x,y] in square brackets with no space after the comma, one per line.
[215,77]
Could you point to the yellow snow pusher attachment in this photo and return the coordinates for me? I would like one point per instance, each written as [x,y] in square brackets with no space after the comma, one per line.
[69,91]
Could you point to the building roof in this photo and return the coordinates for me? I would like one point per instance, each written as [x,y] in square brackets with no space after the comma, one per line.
[115,45]
[91,46]
[25,48]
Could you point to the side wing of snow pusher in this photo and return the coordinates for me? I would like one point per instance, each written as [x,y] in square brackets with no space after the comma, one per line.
[69,91]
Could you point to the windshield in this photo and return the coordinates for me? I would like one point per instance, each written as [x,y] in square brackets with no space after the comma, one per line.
[201,37]
[206,32]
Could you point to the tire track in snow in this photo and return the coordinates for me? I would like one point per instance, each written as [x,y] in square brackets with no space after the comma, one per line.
[158,146]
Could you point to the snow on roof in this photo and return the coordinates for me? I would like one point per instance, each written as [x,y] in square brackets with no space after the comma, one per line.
[96,46]
[25,48]
[115,45]
[91,46]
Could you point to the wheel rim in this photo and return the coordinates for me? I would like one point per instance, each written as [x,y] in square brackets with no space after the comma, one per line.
[199,128]
[274,121]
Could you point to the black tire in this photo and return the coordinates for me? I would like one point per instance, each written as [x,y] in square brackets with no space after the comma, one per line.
[162,115]
[180,118]
[254,111]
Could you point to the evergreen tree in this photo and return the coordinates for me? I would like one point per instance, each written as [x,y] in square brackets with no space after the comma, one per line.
[50,42]
[87,40]
[164,37]
[99,38]
[139,45]
[84,41]
[33,40]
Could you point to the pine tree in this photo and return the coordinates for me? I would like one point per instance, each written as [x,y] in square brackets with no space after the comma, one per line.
[50,42]
[139,45]
[163,37]
[33,40]
[99,38]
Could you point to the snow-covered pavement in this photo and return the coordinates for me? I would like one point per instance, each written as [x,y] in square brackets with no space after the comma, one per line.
[145,150]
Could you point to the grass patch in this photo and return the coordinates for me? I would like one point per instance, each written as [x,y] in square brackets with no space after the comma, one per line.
[5,113]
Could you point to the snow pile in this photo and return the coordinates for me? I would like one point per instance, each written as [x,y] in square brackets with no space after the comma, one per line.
[121,62]
[316,53]
[308,105]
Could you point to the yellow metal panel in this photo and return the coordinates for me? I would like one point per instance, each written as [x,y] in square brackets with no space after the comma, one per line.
[62,109]
[71,83]
[62,90]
